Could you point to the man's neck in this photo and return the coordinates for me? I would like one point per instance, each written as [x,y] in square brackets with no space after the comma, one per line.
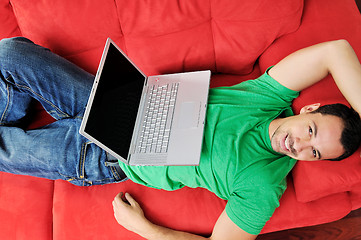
[274,124]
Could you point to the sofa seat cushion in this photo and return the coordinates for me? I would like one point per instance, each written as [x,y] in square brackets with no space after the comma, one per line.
[26,205]
[85,212]
[77,210]
[294,214]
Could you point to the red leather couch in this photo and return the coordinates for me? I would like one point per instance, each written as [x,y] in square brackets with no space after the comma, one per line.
[237,40]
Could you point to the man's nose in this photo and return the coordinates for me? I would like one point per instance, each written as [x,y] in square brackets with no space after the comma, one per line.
[301,144]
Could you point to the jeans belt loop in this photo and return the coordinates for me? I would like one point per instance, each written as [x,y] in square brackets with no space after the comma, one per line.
[114,165]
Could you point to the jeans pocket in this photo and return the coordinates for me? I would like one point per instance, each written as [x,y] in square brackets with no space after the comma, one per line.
[92,168]
[75,172]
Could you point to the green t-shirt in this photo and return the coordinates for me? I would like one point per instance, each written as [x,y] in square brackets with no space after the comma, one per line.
[237,161]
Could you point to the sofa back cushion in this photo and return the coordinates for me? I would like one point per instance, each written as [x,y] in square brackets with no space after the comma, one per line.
[9,26]
[161,36]
[76,30]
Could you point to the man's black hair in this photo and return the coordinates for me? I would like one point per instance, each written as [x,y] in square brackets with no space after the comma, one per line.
[351,134]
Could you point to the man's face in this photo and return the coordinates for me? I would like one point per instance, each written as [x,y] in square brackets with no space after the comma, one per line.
[308,136]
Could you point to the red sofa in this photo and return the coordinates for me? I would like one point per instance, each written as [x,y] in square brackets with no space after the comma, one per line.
[237,40]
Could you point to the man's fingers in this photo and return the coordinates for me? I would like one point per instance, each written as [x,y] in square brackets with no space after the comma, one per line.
[118,198]
[130,199]
[121,199]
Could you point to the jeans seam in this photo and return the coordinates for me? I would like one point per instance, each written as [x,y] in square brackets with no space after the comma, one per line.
[82,159]
[115,173]
[70,179]
[7,104]
[102,180]
[44,99]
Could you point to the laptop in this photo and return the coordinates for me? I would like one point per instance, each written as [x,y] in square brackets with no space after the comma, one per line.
[146,120]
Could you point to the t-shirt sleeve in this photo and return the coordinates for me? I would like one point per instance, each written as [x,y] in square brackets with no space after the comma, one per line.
[267,86]
[251,208]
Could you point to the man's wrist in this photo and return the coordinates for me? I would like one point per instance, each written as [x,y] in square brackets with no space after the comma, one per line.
[151,231]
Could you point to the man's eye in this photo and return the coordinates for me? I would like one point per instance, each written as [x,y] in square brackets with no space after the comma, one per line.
[314,153]
[310,131]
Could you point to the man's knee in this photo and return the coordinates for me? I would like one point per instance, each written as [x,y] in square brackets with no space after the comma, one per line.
[13,42]
[9,46]
[17,52]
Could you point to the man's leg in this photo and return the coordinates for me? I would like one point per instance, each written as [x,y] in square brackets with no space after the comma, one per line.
[57,151]
[60,86]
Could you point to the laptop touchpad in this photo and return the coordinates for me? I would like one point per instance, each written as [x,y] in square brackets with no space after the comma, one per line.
[189,115]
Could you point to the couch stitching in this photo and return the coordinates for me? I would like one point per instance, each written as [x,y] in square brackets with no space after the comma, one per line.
[211,20]
[120,26]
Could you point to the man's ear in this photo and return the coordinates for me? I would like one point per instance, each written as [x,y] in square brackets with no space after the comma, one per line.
[310,108]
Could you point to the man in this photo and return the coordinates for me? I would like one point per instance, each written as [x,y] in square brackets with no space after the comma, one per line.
[247,153]
[312,135]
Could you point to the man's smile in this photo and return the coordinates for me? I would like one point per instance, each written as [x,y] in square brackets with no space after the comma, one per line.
[285,144]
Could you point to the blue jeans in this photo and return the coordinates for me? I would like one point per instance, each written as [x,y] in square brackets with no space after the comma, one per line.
[55,151]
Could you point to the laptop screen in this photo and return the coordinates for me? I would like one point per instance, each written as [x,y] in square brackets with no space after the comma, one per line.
[115,105]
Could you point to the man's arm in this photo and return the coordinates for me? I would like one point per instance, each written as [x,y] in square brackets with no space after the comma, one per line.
[131,216]
[310,65]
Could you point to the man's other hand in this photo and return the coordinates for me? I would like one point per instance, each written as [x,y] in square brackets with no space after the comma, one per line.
[129,214]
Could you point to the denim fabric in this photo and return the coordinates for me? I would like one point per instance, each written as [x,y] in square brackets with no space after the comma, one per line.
[55,151]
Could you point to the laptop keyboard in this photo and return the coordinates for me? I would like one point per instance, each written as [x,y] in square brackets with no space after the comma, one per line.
[158,118]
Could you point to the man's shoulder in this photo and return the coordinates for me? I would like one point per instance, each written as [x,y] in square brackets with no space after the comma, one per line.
[267,173]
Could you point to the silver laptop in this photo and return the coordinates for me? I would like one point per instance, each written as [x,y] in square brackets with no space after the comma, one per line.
[146,120]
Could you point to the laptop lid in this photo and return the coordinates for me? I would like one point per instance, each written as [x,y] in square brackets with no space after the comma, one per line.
[114,102]
[116,109]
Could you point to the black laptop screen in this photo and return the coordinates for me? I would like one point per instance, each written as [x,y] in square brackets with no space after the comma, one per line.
[114,109]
